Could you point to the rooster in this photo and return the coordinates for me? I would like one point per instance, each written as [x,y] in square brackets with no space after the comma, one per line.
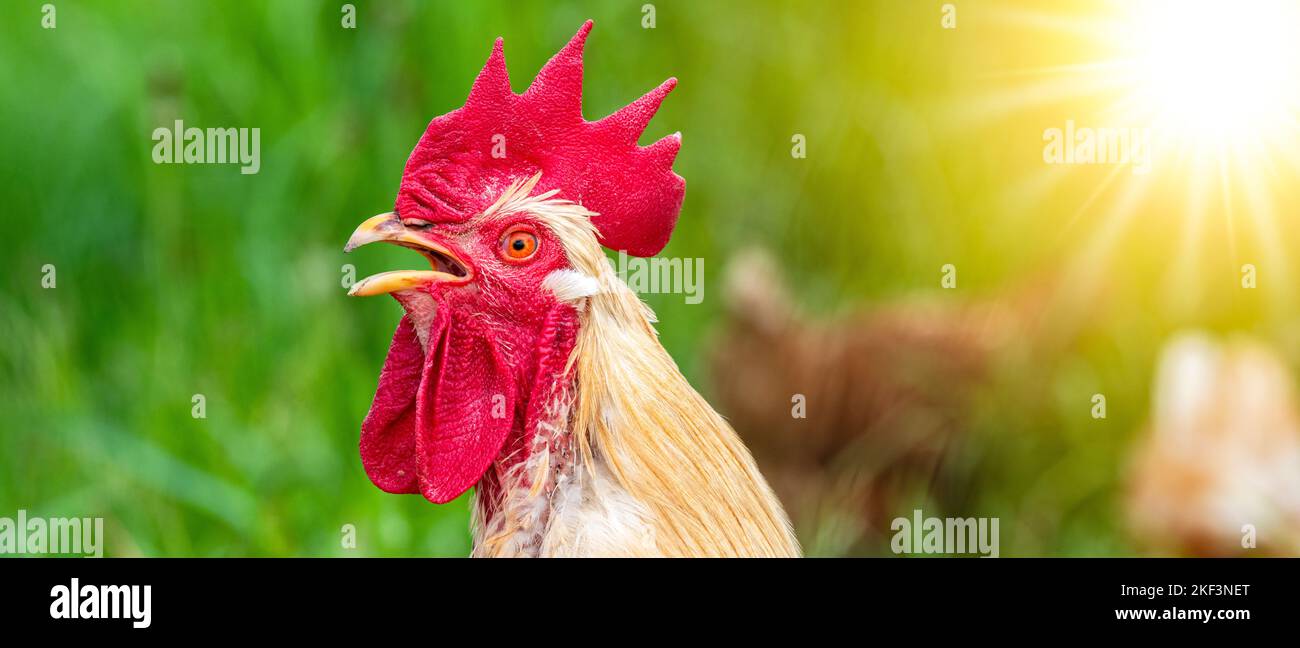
[887,390]
[523,367]
[1219,460]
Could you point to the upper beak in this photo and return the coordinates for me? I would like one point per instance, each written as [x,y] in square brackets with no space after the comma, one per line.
[389,228]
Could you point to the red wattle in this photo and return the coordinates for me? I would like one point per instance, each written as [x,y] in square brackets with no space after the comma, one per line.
[465,408]
[388,432]
[438,420]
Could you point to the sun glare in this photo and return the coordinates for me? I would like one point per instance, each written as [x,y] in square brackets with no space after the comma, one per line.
[1212,86]
[1216,71]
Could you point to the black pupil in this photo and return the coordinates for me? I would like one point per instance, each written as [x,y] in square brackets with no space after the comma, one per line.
[518,245]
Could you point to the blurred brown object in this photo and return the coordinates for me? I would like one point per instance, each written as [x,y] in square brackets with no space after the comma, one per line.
[885,392]
[1222,451]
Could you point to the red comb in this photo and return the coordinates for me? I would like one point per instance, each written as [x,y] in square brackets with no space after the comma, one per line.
[452,173]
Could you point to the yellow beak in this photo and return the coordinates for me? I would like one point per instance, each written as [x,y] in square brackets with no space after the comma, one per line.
[389,228]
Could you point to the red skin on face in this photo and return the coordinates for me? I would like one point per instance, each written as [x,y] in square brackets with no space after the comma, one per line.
[495,346]
[498,344]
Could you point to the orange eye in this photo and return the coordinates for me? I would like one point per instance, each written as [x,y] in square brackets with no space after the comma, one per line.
[518,244]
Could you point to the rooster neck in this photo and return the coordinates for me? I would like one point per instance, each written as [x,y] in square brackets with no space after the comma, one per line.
[513,503]
[514,499]
[546,497]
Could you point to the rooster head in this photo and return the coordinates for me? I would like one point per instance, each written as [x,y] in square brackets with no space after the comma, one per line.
[487,331]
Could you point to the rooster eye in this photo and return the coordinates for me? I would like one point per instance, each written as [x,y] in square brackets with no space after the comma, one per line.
[518,244]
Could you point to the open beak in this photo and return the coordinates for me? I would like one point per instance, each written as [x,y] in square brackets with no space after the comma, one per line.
[447,267]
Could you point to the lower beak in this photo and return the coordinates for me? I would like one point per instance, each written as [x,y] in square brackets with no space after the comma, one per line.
[389,228]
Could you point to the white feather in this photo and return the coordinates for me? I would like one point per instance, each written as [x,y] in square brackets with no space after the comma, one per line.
[570,285]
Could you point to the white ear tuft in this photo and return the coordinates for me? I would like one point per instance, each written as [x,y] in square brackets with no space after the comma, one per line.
[571,285]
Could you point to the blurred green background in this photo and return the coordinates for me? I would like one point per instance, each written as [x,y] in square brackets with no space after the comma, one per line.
[176,280]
